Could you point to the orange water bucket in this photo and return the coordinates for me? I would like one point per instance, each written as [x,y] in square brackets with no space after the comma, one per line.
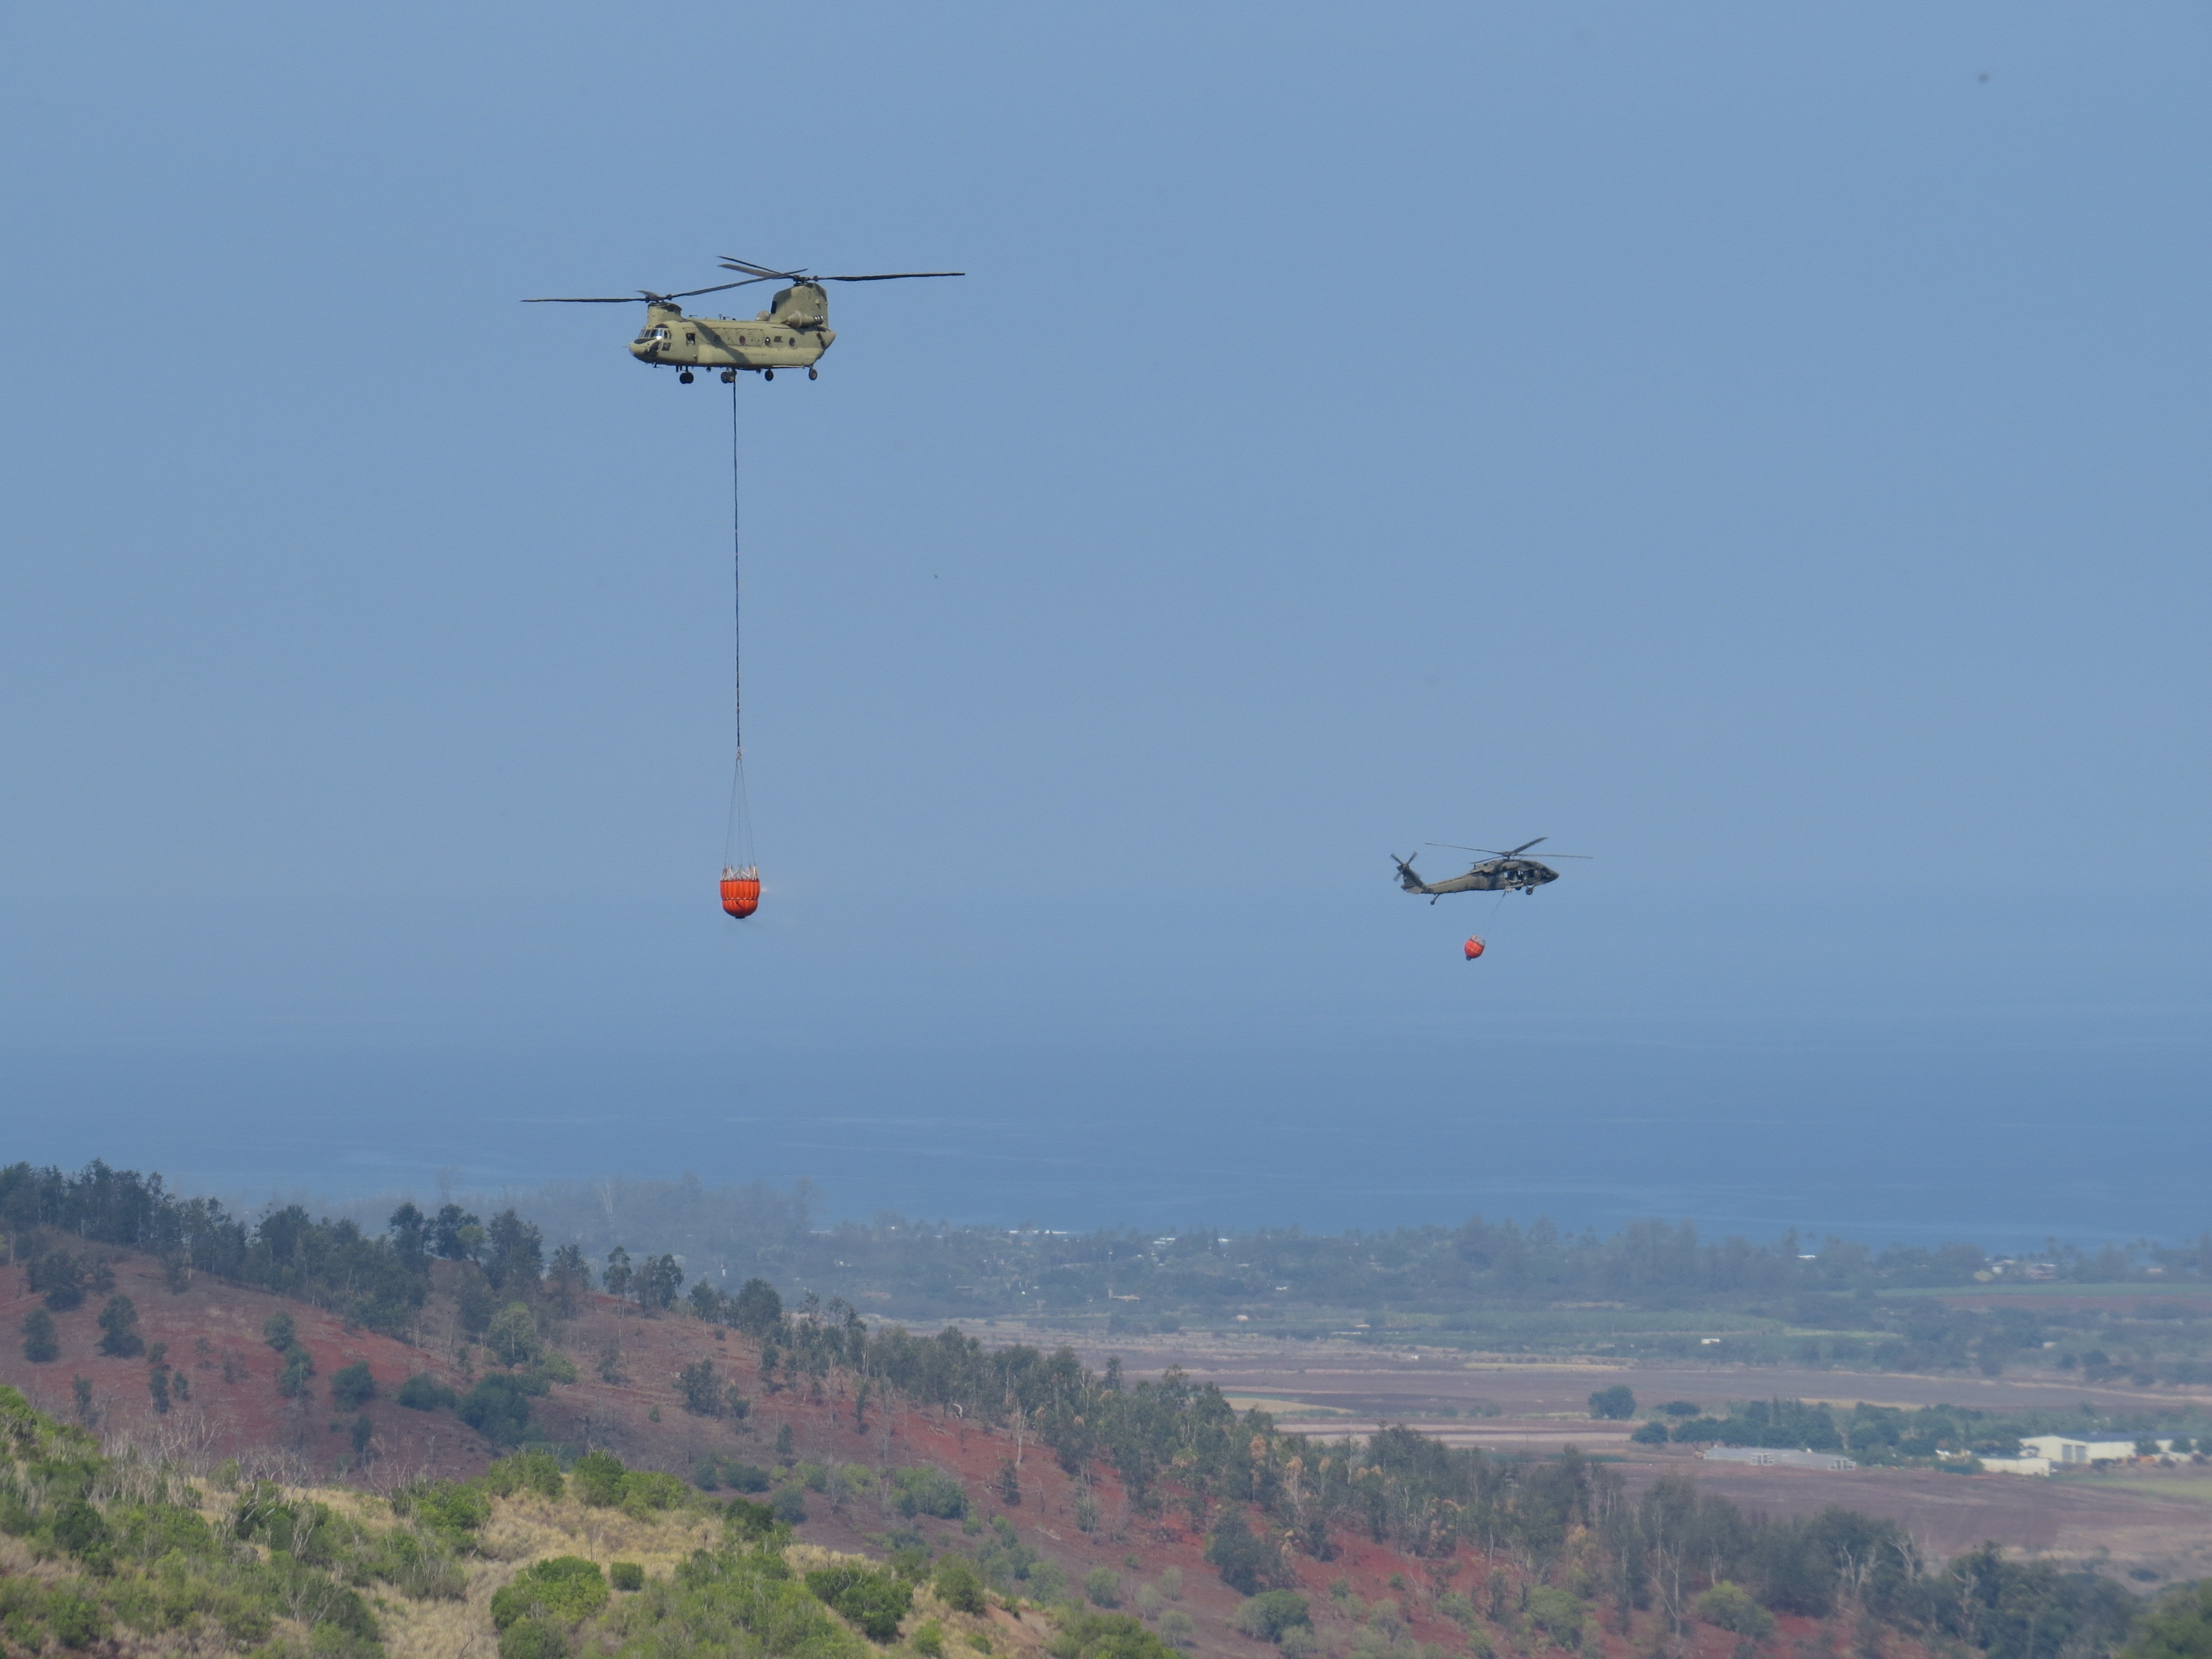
[1474,946]
[740,891]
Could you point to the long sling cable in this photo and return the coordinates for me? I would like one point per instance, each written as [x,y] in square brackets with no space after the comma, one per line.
[737,844]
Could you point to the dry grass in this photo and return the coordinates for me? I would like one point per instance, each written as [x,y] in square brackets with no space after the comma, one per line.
[524,1529]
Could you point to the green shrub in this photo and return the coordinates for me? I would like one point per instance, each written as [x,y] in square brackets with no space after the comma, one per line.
[454,1511]
[1730,1606]
[928,1640]
[790,1503]
[626,1576]
[76,1621]
[732,1604]
[1267,1615]
[352,1387]
[564,1589]
[923,1491]
[416,1568]
[872,1599]
[1558,1614]
[1101,1587]
[277,1332]
[80,1528]
[748,1523]
[1111,1636]
[1616,1404]
[959,1586]
[533,1471]
[424,1393]
[2178,1626]
[1653,1433]
[533,1638]
[645,1490]
[498,1408]
[598,1478]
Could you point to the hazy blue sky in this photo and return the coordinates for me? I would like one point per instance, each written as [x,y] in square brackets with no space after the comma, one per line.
[1763,447]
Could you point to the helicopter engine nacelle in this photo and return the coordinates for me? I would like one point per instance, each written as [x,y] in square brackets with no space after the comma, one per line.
[803,305]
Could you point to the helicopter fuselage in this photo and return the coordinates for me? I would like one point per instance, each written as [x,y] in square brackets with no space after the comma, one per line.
[775,339]
[1493,876]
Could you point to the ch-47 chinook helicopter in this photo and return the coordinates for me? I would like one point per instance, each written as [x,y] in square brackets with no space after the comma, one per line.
[791,333]
[1498,872]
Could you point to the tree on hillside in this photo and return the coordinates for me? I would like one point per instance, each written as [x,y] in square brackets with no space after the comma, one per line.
[2178,1626]
[456,1235]
[40,1343]
[659,1279]
[517,1254]
[758,1310]
[409,1231]
[474,1300]
[618,1273]
[706,1301]
[568,1276]
[1616,1404]
[702,1396]
[60,1278]
[352,1387]
[511,1335]
[1244,1562]
[120,1337]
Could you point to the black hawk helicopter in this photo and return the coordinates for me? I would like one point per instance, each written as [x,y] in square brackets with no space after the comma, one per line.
[1498,872]
[791,333]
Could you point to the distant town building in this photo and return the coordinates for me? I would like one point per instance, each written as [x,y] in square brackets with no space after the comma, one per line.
[1788,1459]
[2085,1449]
[2017,1465]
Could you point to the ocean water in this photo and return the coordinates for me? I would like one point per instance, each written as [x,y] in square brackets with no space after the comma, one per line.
[1844,1071]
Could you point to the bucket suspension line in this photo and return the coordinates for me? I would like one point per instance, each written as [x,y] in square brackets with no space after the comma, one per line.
[741,884]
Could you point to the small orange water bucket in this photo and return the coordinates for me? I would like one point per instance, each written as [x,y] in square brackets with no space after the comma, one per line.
[740,891]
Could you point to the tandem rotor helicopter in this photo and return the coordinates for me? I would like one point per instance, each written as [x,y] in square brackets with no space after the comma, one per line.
[791,333]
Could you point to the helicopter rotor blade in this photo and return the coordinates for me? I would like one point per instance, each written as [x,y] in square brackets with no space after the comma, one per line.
[717,289]
[1526,845]
[644,294]
[762,270]
[887,276]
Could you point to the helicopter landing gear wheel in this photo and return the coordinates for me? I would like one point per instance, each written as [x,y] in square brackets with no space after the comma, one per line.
[684,378]
[768,375]
[729,376]
[813,373]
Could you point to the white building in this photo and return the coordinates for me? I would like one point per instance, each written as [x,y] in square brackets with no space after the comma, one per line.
[2017,1465]
[2079,1448]
[1793,1460]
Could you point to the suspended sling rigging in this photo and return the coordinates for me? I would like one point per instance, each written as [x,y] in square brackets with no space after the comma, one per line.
[741,885]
